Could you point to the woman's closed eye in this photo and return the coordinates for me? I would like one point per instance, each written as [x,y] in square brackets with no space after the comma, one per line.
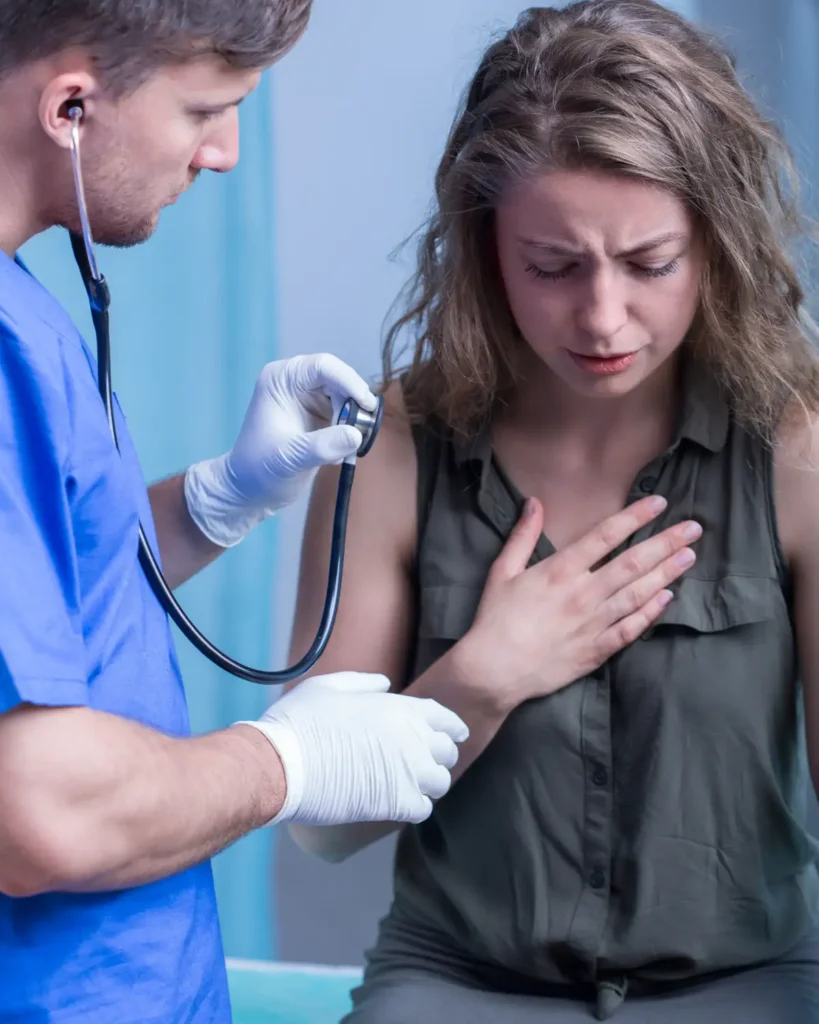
[643,271]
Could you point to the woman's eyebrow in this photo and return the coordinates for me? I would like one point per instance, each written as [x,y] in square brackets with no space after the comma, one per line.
[562,249]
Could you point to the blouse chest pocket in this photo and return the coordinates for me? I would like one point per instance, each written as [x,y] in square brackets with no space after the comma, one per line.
[726,615]
[722,653]
[445,614]
[447,611]
[717,605]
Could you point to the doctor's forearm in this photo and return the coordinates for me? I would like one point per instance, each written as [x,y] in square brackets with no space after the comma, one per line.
[226,786]
[123,805]
[185,550]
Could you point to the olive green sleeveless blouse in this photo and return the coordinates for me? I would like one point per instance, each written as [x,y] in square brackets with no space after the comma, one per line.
[644,825]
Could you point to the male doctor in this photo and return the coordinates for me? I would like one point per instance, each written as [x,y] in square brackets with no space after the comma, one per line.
[109,810]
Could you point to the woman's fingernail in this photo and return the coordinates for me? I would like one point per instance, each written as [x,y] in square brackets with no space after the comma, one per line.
[657,503]
[528,508]
[693,531]
[686,558]
[665,597]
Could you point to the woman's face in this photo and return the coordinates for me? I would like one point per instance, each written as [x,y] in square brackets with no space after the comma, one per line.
[602,276]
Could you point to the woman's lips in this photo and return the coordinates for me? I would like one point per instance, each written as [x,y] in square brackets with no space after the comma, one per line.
[604,365]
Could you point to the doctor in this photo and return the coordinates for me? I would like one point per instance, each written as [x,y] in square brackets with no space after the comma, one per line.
[109,810]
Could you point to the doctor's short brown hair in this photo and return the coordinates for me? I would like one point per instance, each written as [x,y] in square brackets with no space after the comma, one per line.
[128,39]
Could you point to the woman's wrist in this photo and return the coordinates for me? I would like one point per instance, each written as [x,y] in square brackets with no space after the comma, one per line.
[461,681]
[471,672]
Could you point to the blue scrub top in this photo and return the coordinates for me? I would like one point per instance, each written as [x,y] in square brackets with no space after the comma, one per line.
[80,626]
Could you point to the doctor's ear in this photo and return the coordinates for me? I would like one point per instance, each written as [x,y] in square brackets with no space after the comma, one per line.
[62,95]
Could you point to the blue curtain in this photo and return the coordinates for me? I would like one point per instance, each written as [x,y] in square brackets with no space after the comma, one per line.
[193,320]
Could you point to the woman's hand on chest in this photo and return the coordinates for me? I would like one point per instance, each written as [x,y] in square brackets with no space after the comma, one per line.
[539,629]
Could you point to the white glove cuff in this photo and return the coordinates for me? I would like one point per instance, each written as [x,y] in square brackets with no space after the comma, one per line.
[286,745]
[219,512]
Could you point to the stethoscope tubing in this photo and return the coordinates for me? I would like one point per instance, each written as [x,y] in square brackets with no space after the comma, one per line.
[100,299]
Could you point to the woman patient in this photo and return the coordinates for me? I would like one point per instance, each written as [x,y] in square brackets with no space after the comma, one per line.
[604,316]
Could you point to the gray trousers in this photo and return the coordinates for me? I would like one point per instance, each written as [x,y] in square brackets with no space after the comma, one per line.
[785,991]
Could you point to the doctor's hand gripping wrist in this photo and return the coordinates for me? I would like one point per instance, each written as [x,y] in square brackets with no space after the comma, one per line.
[353,752]
[290,430]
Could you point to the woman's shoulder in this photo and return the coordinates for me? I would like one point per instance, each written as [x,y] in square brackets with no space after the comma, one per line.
[384,493]
[409,434]
[796,480]
[396,437]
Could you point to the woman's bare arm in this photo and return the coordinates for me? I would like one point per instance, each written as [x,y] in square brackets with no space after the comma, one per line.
[797,509]
[374,621]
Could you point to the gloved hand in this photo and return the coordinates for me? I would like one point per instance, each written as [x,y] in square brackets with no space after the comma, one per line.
[354,752]
[286,437]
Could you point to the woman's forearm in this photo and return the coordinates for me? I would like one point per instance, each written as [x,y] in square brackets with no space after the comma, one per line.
[335,843]
[454,681]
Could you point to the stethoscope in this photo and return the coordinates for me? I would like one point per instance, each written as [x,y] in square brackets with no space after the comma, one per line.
[369,423]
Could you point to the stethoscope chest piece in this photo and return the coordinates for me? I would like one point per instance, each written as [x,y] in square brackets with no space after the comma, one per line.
[369,423]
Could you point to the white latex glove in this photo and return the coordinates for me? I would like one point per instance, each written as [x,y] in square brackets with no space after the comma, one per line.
[286,437]
[354,752]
